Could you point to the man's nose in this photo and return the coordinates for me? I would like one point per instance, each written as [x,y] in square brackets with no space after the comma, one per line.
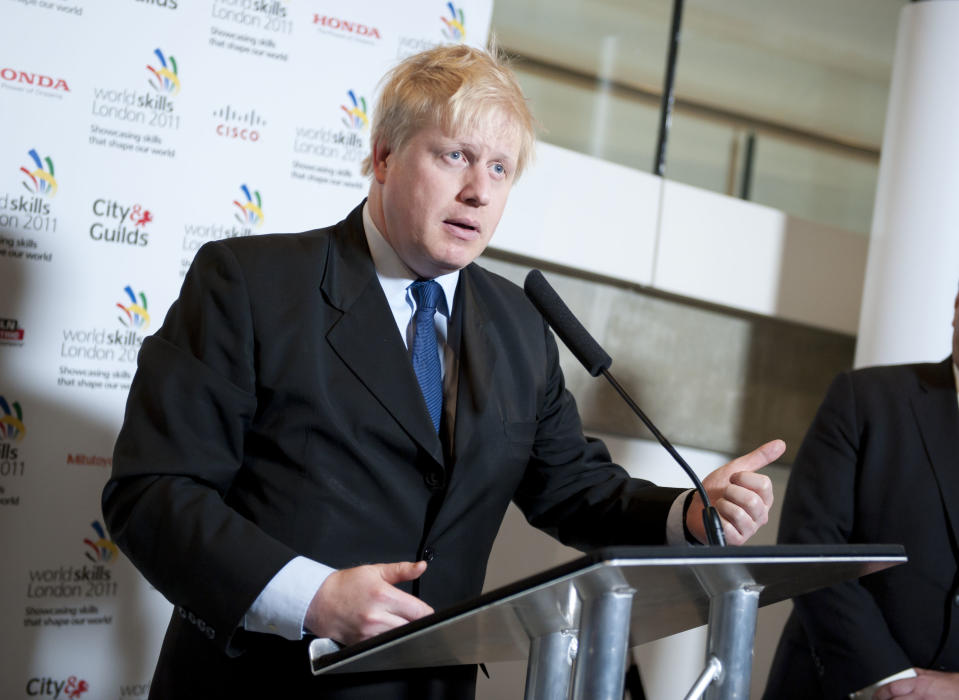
[476,187]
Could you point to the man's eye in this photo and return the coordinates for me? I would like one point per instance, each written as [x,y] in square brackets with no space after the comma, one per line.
[456,155]
[499,169]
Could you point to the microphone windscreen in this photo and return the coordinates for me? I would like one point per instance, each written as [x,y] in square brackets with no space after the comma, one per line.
[565,324]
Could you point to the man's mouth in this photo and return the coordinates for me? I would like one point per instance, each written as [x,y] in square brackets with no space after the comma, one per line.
[464,228]
[463,224]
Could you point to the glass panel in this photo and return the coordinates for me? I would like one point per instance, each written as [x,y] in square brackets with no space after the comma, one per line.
[592,70]
[601,123]
[819,185]
[810,79]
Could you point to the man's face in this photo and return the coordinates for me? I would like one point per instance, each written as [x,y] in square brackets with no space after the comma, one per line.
[443,195]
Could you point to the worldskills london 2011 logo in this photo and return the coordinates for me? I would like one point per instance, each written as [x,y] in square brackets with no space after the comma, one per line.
[455,29]
[135,314]
[251,210]
[101,550]
[40,179]
[164,77]
[356,116]
[12,428]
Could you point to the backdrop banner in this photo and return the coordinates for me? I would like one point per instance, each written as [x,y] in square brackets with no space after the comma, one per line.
[133,131]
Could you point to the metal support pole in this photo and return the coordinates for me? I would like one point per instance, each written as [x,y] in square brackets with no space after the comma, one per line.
[666,108]
[732,627]
[713,670]
[749,159]
[550,666]
[600,668]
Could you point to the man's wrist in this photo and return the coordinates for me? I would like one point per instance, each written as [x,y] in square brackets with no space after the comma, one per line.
[687,533]
[281,606]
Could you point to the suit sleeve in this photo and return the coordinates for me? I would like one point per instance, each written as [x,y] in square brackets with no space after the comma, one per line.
[848,635]
[571,488]
[180,449]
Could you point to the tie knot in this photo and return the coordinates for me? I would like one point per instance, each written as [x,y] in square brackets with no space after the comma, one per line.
[427,295]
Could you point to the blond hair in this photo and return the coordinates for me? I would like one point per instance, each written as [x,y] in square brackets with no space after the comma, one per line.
[454,87]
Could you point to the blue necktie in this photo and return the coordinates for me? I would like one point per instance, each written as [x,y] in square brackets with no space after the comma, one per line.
[426,356]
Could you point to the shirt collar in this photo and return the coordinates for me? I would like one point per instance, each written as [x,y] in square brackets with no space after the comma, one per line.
[395,277]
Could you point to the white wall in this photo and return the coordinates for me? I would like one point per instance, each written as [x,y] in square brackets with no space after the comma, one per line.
[576,210]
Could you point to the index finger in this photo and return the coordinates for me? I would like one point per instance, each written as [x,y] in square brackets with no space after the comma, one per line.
[759,484]
[407,606]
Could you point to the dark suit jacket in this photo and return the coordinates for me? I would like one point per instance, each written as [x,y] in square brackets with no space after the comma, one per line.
[880,464]
[276,414]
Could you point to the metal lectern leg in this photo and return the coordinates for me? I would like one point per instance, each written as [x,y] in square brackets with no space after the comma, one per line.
[550,666]
[732,628]
[600,667]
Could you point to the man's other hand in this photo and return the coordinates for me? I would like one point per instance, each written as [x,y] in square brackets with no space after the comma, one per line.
[358,603]
[742,497]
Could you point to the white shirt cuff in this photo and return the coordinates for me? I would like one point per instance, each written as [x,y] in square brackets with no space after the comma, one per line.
[866,693]
[675,534]
[281,606]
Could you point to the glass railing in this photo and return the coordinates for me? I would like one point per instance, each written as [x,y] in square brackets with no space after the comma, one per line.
[764,110]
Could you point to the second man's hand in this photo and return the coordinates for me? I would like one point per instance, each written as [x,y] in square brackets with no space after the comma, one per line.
[359,603]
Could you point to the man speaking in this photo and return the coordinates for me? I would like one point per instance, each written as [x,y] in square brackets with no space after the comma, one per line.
[323,437]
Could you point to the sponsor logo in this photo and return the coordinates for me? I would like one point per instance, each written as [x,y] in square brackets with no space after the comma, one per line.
[71,688]
[135,690]
[10,332]
[105,345]
[154,109]
[346,27]
[251,213]
[331,156]
[92,580]
[12,428]
[232,124]
[15,78]
[120,223]
[32,213]
[267,15]
[165,77]
[40,179]
[89,460]
[356,117]
[454,25]
[103,549]
[135,314]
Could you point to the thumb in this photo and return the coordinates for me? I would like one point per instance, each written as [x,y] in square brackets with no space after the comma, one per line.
[760,457]
[402,571]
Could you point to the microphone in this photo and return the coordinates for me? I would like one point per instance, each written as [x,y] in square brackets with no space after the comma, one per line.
[596,361]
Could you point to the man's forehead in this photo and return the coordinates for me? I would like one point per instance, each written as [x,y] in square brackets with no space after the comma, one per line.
[494,131]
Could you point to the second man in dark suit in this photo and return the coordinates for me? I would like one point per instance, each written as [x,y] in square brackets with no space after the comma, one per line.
[880,464]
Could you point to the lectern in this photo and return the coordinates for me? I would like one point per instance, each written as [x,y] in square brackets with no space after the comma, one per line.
[574,623]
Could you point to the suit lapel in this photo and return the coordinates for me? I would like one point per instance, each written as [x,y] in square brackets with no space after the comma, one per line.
[935,407]
[365,336]
[472,329]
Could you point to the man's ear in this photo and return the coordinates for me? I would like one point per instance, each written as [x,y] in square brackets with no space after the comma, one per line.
[381,153]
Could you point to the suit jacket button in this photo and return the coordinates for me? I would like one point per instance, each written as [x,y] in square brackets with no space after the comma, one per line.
[434,479]
[429,554]
[955,599]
